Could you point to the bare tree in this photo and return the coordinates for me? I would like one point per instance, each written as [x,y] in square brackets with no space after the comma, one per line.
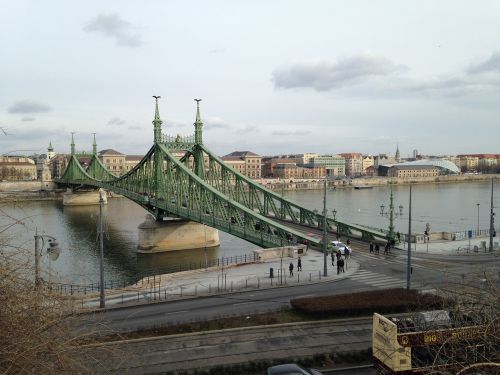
[34,335]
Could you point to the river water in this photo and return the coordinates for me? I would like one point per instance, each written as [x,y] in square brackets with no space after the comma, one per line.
[446,207]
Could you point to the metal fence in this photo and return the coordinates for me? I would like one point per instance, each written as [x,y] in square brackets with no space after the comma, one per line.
[151,274]
[155,291]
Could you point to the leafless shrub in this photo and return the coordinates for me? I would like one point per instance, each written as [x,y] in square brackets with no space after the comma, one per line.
[35,337]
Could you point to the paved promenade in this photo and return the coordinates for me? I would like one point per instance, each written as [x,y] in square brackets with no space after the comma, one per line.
[215,280]
[235,278]
[453,248]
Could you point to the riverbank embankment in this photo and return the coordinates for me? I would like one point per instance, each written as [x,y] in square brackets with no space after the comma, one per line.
[43,190]
[347,183]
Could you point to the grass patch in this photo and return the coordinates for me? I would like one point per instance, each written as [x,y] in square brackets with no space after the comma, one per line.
[366,303]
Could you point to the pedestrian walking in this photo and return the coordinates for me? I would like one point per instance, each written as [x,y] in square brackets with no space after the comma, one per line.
[348,241]
[347,253]
[377,249]
[371,247]
[290,267]
[386,248]
[333,257]
[338,255]
[299,264]
[398,235]
[340,266]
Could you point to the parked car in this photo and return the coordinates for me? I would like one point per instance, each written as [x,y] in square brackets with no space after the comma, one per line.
[340,246]
[290,369]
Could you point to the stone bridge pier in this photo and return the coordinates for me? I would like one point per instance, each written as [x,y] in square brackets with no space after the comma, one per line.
[174,234]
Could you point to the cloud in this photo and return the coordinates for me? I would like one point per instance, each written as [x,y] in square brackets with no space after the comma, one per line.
[215,123]
[173,124]
[291,132]
[457,86]
[134,127]
[490,65]
[116,121]
[247,129]
[28,106]
[324,75]
[112,26]
[217,50]
[28,118]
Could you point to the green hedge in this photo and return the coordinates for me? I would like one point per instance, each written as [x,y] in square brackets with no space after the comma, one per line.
[366,303]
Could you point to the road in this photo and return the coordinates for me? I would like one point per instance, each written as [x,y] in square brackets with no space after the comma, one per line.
[376,272]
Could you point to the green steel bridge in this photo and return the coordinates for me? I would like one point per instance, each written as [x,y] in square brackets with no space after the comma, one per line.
[201,187]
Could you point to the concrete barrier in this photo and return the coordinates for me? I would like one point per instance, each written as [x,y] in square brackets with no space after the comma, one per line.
[264,255]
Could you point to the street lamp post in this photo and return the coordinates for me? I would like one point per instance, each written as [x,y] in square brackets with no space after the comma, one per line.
[334,215]
[408,265]
[102,302]
[391,214]
[477,204]
[324,232]
[492,220]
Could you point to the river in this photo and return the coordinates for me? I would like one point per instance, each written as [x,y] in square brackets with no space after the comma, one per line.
[446,207]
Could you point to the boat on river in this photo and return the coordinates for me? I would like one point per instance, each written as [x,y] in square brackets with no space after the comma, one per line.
[359,187]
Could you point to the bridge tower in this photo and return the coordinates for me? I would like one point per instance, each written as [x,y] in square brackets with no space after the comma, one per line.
[158,160]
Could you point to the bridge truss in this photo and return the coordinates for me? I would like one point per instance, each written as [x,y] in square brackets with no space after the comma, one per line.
[201,187]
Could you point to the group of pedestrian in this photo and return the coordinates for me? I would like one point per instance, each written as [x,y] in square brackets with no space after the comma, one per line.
[340,261]
[375,248]
[299,266]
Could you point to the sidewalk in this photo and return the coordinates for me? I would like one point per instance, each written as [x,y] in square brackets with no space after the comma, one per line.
[454,247]
[251,276]
[217,280]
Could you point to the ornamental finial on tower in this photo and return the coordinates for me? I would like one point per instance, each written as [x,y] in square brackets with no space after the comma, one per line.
[72,143]
[157,121]
[198,135]
[94,146]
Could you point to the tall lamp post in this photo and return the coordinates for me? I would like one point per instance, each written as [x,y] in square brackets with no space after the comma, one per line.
[478,204]
[102,302]
[324,232]
[334,215]
[492,219]
[408,265]
[391,214]
[53,250]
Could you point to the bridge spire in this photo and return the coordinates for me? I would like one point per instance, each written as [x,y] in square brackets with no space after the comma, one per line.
[94,146]
[157,122]
[72,143]
[198,125]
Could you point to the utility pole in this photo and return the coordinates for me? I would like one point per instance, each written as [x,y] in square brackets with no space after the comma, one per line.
[37,260]
[492,218]
[102,302]
[391,216]
[408,265]
[324,231]
[478,204]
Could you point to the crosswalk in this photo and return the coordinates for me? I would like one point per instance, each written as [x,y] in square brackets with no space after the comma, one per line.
[377,280]
[396,260]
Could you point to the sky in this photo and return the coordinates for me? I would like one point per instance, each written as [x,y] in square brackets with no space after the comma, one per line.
[275,76]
